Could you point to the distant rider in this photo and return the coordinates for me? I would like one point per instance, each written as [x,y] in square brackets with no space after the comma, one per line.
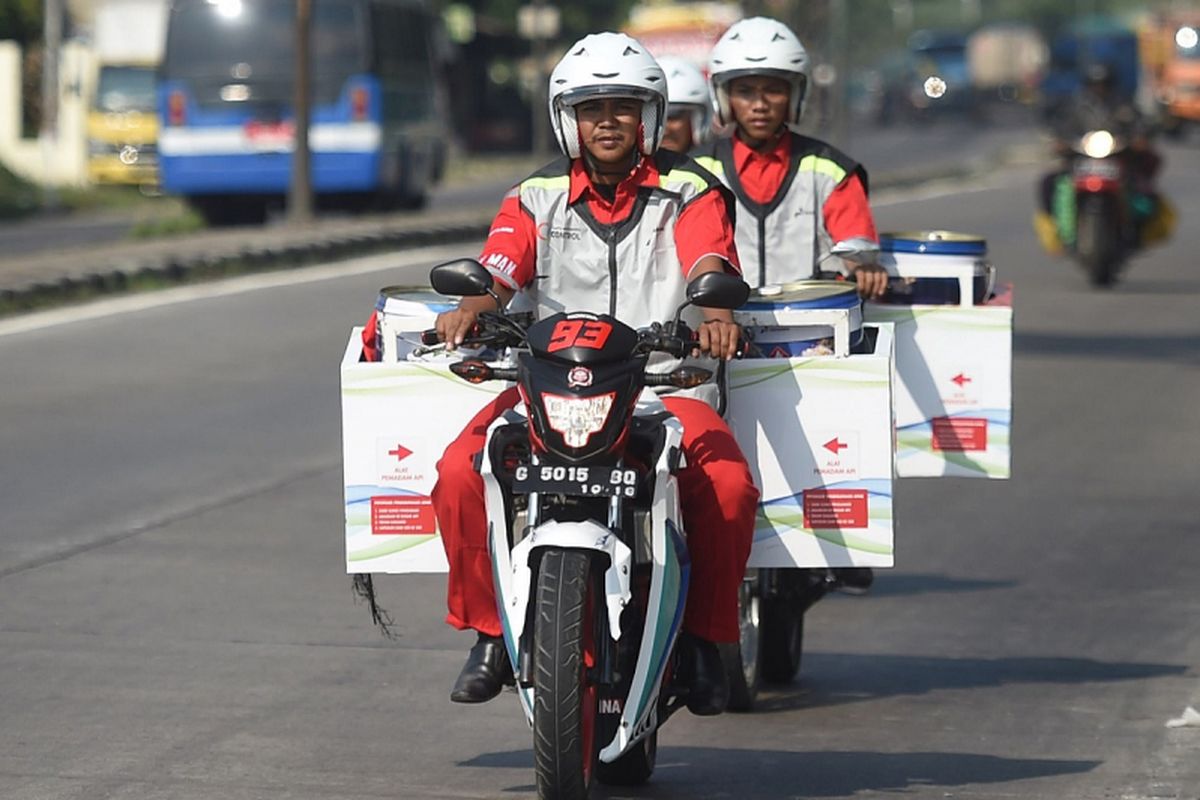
[1099,105]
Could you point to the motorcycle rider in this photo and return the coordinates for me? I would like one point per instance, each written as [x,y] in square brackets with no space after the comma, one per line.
[797,195]
[1099,105]
[617,226]
[689,110]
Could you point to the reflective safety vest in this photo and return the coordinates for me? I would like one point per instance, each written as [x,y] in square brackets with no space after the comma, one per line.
[784,240]
[630,269]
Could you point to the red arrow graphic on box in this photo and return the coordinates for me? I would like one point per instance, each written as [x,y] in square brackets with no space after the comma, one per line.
[401,452]
[834,446]
[960,379]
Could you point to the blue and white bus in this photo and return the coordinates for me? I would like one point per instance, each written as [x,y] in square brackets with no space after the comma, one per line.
[377,133]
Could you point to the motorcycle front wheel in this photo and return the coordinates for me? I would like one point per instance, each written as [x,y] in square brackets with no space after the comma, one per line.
[565,702]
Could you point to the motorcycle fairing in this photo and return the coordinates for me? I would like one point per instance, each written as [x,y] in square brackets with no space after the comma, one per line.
[664,614]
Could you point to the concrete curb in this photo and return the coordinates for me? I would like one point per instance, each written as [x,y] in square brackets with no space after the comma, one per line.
[176,261]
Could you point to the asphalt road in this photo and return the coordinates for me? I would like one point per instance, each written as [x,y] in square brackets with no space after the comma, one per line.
[175,622]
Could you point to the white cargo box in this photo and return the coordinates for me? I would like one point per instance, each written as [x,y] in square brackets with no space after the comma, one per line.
[825,468]
[954,376]
[817,432]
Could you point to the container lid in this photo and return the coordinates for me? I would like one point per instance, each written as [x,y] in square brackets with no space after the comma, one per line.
[804,294]
[412,301]
[937,243]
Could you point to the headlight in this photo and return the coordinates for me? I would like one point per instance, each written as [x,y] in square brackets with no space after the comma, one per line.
[577,418]
[1098,144]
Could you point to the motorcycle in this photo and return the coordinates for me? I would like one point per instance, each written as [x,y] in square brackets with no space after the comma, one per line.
[589,552]
[1095,211]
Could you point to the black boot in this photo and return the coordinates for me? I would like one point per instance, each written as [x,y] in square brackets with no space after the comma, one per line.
[704,672]
[486,672]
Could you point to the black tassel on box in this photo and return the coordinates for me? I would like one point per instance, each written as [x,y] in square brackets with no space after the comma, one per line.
[364,591]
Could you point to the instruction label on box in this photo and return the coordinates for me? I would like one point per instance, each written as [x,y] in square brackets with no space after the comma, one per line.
[836,509]
[411,515]
[960,434]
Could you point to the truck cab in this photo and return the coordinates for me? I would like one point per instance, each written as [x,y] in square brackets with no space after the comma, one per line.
[122,121]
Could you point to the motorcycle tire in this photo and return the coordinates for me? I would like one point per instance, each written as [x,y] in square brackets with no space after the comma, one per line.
[743,659]
[1098,246]
[634,767]
[782,635]
[565,705]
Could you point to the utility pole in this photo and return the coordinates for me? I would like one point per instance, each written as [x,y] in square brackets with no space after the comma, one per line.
[541,139]
[839,56]
[300,196]
[52,15]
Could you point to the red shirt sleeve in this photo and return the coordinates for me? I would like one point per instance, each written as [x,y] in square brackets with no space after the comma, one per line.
[510,252]
[847,212]
[703,229]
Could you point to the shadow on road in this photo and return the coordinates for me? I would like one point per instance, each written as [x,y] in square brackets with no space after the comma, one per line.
[891,584]
[830,679]
[1179,347]
[702,772]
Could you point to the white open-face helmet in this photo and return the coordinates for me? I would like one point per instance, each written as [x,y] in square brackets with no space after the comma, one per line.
[758,46]
[607,65]
[687,90]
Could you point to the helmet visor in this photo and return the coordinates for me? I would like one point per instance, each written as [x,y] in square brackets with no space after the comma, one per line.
[573,97]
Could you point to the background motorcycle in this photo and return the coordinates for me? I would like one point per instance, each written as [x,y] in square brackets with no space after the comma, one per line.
[1098,209]
[589,553]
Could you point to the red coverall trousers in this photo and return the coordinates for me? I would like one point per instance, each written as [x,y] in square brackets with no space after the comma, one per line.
[717,495]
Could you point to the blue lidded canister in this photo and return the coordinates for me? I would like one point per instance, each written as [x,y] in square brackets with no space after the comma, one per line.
[779,341]
[914,252]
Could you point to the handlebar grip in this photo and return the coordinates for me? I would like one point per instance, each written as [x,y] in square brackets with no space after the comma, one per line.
[430,336]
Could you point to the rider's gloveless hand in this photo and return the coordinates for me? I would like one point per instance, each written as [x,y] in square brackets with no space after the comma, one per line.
[454,326]
[719,338]
[872,281]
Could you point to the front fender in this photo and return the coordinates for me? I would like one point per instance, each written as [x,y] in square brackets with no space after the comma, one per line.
[586,535]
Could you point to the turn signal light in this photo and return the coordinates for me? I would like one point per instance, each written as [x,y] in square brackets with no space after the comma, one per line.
[690,377]
[472,371]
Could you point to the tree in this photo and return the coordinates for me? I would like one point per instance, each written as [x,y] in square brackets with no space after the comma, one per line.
[21,20]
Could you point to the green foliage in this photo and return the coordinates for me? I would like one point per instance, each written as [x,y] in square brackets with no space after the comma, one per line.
[21,20]
[17,197]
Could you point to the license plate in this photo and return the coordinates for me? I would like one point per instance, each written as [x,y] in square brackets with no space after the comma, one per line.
[1098,168]
[579,481]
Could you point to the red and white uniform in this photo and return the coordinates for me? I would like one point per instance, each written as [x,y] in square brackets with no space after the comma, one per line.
[559,237]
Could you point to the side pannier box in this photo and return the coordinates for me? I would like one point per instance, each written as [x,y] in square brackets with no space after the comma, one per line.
[953,355]
[813,416]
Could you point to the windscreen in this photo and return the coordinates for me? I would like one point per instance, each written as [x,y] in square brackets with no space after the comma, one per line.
[125,89]
[217,42]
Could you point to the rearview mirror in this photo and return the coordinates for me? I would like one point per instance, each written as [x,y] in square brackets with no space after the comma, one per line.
[718,290]
[464,276]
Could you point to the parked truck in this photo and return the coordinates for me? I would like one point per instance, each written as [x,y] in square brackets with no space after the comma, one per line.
[128,37]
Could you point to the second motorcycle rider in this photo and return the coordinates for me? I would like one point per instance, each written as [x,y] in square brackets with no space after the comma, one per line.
[797,196]
[615,227]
